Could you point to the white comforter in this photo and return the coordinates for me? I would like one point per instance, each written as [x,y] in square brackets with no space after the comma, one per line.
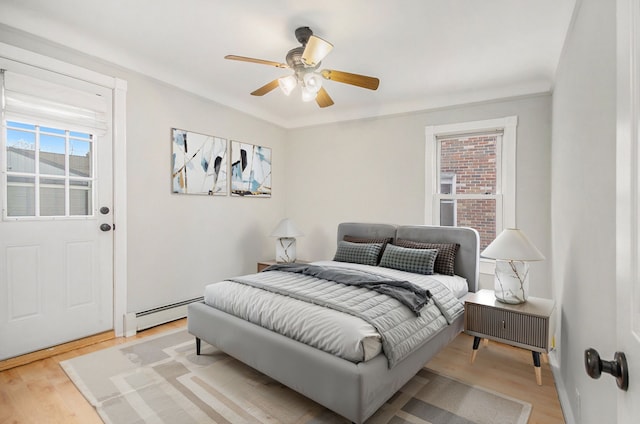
[341,334]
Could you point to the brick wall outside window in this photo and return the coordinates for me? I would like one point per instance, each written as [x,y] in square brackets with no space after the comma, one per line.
[473,161]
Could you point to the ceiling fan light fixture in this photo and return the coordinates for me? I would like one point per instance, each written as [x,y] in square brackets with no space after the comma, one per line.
[287,84]
[315,50]
[304,61]
[308,95]
[312,81]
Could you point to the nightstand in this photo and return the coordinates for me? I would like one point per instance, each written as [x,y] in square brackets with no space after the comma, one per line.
[529,325]
[263,264]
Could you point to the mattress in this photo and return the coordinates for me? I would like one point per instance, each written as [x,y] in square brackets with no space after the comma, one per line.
[341,334]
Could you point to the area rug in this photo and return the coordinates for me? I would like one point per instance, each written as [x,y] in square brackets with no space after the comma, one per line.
[160,379]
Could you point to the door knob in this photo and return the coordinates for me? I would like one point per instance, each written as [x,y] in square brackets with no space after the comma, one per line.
[105,227]
[104,210]
[617,368]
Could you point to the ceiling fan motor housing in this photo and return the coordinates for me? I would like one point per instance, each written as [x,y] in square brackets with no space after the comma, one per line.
[303,34]
[294,60]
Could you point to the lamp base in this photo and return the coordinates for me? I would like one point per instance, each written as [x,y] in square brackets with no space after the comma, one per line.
[286,250]
[511,281]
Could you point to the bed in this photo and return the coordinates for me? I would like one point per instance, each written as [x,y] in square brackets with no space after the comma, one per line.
[354,389]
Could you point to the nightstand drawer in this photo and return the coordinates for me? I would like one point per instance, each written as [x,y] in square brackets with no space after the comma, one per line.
[528,331]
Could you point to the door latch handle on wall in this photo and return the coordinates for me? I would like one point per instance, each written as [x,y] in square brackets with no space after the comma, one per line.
[105,227]
[617,368]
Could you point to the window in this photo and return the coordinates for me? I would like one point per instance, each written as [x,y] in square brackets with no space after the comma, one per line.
[49,171]
[467,180]
[48,143]
[470,178]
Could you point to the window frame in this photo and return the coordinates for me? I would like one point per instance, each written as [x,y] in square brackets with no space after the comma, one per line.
[505,171]
[38,175]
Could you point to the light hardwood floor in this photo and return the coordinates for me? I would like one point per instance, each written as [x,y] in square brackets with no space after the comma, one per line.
[504,369]
[40,392]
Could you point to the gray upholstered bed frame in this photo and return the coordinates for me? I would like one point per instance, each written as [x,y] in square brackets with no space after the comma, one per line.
[355,391]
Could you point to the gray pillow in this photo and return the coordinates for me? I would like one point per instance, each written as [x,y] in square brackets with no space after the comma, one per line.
[446,259]
[418,261]
[358,253]
[382,240]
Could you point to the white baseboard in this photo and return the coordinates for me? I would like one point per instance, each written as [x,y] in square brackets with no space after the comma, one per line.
[137,321]
[563,396]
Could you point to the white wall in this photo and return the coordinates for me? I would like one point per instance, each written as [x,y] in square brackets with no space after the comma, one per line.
[179,243]
[583,206]
[374,170]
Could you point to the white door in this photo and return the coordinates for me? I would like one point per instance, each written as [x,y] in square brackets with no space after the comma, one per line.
[56,264]
[628,205]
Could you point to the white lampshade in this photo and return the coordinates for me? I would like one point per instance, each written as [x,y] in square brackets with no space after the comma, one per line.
[315,50]
[512,245]
[286,228]
[287,84]
[512,251]
[286,231]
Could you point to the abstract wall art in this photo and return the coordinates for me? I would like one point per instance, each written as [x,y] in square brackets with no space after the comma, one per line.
[199,163]
[250,170]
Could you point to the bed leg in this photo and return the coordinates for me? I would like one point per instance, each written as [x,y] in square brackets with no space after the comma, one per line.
[198,344]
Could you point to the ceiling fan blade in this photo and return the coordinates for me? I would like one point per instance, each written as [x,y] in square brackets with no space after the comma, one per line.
[354,79]
[323,99]
[265,88]
[259,61]
[315,50]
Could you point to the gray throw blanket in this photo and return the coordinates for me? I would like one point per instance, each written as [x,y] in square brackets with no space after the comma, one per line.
[409,294]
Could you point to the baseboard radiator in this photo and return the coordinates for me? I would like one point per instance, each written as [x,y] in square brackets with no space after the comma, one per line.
[137,321]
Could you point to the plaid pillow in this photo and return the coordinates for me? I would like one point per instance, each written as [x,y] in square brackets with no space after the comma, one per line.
[419,261]
[383,241]
[445,261]
[354,239]
[358,253]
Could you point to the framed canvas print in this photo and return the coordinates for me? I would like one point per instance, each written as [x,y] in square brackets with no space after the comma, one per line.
[250,170]
[199,163]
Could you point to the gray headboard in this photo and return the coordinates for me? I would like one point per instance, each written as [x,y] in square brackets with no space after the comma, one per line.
[365,230]
[467,259]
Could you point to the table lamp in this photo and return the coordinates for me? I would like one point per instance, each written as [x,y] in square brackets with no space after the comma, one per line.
[286,232]
[512,251]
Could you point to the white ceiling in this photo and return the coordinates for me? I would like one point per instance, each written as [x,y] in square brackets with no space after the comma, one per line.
[427,53]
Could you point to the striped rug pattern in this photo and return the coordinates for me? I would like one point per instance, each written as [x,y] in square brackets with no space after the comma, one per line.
[160,379]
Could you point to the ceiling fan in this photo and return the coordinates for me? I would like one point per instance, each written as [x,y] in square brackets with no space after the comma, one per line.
[304,61]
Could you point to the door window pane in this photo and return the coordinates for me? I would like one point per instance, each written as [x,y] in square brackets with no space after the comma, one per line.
[80,195]
[21,199]
[81,135]
[21,146]
[52,197]
[52,155]
[79,158]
